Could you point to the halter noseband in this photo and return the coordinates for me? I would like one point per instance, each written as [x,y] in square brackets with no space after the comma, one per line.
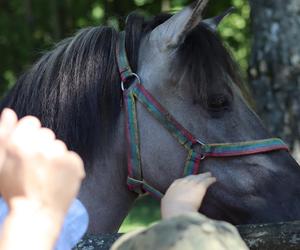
[134,91]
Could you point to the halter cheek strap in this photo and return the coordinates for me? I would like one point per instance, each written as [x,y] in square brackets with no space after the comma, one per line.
[133,92]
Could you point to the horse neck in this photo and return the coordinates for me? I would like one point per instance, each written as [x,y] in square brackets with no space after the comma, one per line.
[104,191]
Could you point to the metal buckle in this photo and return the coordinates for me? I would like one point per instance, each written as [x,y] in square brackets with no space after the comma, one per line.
[202,145]
[122,86]
[136,76]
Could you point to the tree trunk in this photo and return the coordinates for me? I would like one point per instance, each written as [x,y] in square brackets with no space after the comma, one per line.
[165,5]
[274,71]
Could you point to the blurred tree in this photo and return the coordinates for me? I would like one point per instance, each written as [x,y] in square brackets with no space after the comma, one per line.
[275,66]
[29,27]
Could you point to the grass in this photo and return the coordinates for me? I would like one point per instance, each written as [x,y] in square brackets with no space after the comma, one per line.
[145,212]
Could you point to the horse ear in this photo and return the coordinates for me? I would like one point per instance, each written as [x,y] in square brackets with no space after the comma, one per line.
[174,31]
[212,23]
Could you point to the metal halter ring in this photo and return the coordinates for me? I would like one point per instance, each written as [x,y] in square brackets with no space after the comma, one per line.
[202,144]
[128,77]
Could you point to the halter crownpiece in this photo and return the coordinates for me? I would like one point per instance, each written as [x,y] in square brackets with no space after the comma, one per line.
[134,91]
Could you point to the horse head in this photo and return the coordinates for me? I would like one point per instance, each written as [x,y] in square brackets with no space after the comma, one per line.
[184,65]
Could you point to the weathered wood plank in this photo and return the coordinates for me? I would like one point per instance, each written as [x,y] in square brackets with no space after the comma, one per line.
[93,242]
[279,236]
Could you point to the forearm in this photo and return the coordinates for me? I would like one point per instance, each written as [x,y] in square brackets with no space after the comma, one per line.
[30,227]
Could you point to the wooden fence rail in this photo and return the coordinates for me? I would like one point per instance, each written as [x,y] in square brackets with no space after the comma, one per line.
[279,236]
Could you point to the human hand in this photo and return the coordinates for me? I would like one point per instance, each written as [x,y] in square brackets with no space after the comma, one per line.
[38,170]
[8,122]
[185,195]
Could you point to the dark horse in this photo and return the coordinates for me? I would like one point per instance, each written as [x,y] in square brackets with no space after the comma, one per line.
[75,90]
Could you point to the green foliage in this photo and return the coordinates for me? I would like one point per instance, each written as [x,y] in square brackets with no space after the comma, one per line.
[145,212]
[235,32]
[28,27]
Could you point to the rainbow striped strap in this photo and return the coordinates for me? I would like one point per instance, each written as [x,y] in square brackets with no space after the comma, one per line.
[135,176]
[192,164]
[124,68]
[133,144]
[183,136]
[144,186]
[244,148]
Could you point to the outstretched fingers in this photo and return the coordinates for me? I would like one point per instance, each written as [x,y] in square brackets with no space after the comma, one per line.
[205,179]
[8,121]
[186,195]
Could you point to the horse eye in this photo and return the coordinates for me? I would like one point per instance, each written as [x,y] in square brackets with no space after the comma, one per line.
[217,102]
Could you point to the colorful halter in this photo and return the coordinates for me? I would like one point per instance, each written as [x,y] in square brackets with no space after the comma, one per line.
[134,91]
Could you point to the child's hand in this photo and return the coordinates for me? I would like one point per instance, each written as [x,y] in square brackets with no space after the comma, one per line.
[185,195]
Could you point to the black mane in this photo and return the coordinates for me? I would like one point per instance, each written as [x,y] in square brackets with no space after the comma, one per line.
[75,88]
